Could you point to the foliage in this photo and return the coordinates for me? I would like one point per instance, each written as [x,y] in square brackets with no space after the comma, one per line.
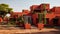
[44,13]
[40,17]
[20,19]
[4,9]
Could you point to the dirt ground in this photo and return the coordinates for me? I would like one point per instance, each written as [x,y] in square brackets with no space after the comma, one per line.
[17,30]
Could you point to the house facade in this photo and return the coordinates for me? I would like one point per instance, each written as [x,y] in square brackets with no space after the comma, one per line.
[50,15]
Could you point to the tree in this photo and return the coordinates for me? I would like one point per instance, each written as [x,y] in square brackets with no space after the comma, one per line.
[4,9]
[40,17]
[45,11]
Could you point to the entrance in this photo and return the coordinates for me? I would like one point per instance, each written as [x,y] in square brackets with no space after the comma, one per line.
[30,20]
[55,21]
[47,20]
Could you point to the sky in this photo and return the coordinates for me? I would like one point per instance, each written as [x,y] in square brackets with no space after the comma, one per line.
[19,5]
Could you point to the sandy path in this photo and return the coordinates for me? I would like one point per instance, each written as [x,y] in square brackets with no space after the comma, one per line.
[14,30]
[25,31]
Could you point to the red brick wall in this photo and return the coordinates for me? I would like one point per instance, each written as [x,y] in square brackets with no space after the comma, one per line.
[16,14]
[47,6]
[1,20]
[35,16]
[25,12]
[56,10]
[33,7]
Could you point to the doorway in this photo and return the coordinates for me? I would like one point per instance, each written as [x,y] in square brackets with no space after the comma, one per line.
[55,21]
[30,20]
[46,19]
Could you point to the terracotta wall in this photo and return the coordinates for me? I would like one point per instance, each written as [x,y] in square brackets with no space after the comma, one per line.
[33,7]
[50,16]
[1,20]
[16,14]
[56,10]
[47,6]
[25,12]
[34,17]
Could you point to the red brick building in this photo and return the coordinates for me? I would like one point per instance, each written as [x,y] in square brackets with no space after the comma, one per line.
[52,15]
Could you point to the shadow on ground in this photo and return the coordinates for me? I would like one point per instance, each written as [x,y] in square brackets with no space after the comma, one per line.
[51,32]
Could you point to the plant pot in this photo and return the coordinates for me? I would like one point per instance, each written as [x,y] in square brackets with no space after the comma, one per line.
[40,26]
[27,26]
